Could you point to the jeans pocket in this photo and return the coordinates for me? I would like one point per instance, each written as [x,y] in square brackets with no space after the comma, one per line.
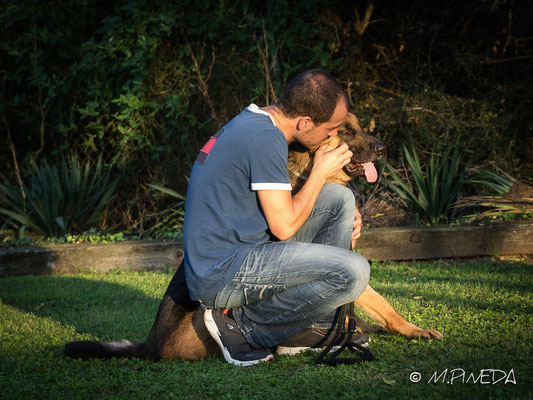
[254,292]
[230,296]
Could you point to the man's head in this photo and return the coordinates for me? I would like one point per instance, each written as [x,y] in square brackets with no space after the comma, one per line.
[314,94]
[317,104]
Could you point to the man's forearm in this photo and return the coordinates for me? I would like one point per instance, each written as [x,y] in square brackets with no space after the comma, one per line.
[285,214]
[305,199]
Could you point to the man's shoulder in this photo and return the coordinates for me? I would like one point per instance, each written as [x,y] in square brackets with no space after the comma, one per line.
[251,116]
[256,130]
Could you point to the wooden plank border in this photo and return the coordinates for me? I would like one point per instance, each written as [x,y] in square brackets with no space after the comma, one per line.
[496,239]
[71,258]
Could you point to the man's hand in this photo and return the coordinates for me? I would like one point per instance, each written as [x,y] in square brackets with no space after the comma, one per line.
[358,222]
[330,163]
[286,214]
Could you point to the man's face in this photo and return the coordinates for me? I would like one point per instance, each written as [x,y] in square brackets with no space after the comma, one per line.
[312,135]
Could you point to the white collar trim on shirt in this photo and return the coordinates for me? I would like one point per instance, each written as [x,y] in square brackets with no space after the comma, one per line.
[253,108]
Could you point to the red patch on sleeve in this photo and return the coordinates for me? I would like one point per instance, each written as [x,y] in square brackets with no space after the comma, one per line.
[209,145]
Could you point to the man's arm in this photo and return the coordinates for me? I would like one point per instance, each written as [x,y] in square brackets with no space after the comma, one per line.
[285,214]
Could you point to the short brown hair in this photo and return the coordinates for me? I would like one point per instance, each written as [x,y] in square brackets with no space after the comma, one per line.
[313,93]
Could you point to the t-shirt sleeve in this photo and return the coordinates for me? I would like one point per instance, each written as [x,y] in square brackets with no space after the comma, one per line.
[268,163]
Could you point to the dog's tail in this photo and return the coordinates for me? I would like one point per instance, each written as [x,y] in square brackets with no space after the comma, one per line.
[92,349]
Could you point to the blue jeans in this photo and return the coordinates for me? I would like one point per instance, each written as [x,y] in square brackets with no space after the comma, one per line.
[285,287]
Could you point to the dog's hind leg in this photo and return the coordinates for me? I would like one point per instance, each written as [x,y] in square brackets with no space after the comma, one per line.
[179,332]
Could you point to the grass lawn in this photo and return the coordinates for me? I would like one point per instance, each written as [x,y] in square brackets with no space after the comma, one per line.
[483,308]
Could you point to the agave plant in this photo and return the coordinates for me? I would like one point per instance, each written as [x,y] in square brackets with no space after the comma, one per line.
[494,182]
[168,221]
[55,201]
[434,189]
[492,203]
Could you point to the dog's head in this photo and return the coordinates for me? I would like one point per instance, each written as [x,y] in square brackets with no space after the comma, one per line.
[366,149]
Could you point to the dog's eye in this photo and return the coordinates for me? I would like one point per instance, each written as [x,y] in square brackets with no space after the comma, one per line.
[353,133]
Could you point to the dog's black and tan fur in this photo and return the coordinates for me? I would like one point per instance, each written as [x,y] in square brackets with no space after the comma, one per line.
[365,148]
[179,331]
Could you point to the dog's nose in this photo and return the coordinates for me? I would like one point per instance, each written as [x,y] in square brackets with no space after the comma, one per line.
[380,149]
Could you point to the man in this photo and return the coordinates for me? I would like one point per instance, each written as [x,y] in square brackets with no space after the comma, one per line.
[259,292]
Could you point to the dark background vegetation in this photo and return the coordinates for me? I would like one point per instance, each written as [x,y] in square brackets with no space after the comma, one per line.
[144,83]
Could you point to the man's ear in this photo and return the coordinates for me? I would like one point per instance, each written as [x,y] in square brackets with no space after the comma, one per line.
[304,124]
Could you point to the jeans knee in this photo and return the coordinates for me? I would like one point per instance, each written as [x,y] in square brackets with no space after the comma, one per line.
[343,199]
[357,275]
[361,268]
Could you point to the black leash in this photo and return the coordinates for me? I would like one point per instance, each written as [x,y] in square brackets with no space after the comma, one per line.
[332,359]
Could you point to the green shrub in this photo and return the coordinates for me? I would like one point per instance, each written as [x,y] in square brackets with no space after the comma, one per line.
[433,190]
[144,83]
[55,201]
[494,182]
[168,223]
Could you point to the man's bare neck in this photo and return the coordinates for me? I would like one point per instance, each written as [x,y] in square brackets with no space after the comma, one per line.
[286,125]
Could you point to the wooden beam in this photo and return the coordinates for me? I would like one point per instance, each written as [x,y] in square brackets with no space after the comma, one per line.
[379,244]
[71,258]
[494,239]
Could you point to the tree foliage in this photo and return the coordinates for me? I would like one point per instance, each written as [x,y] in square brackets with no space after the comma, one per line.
[143,83]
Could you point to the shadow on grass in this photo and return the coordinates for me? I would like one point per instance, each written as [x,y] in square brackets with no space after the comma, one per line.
[478,284]
[102,309]
[115,310]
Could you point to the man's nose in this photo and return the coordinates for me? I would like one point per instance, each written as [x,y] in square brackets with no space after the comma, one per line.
[334,132]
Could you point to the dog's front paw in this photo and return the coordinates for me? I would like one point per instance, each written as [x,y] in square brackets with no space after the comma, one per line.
[414,332]
[427,334]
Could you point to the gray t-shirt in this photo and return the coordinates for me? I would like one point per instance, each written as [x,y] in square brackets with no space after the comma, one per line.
[223,216]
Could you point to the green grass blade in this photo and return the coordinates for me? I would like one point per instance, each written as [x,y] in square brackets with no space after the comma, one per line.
[167,191]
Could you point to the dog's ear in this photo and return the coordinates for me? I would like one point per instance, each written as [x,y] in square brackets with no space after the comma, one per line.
[351,122]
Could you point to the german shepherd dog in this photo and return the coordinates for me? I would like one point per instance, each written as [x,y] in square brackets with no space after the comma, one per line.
[179,330]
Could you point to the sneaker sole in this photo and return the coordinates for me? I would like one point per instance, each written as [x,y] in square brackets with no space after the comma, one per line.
[281,350]
[213,330]
[284,350]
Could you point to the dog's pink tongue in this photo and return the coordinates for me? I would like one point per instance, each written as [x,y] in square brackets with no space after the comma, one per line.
[370,172]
